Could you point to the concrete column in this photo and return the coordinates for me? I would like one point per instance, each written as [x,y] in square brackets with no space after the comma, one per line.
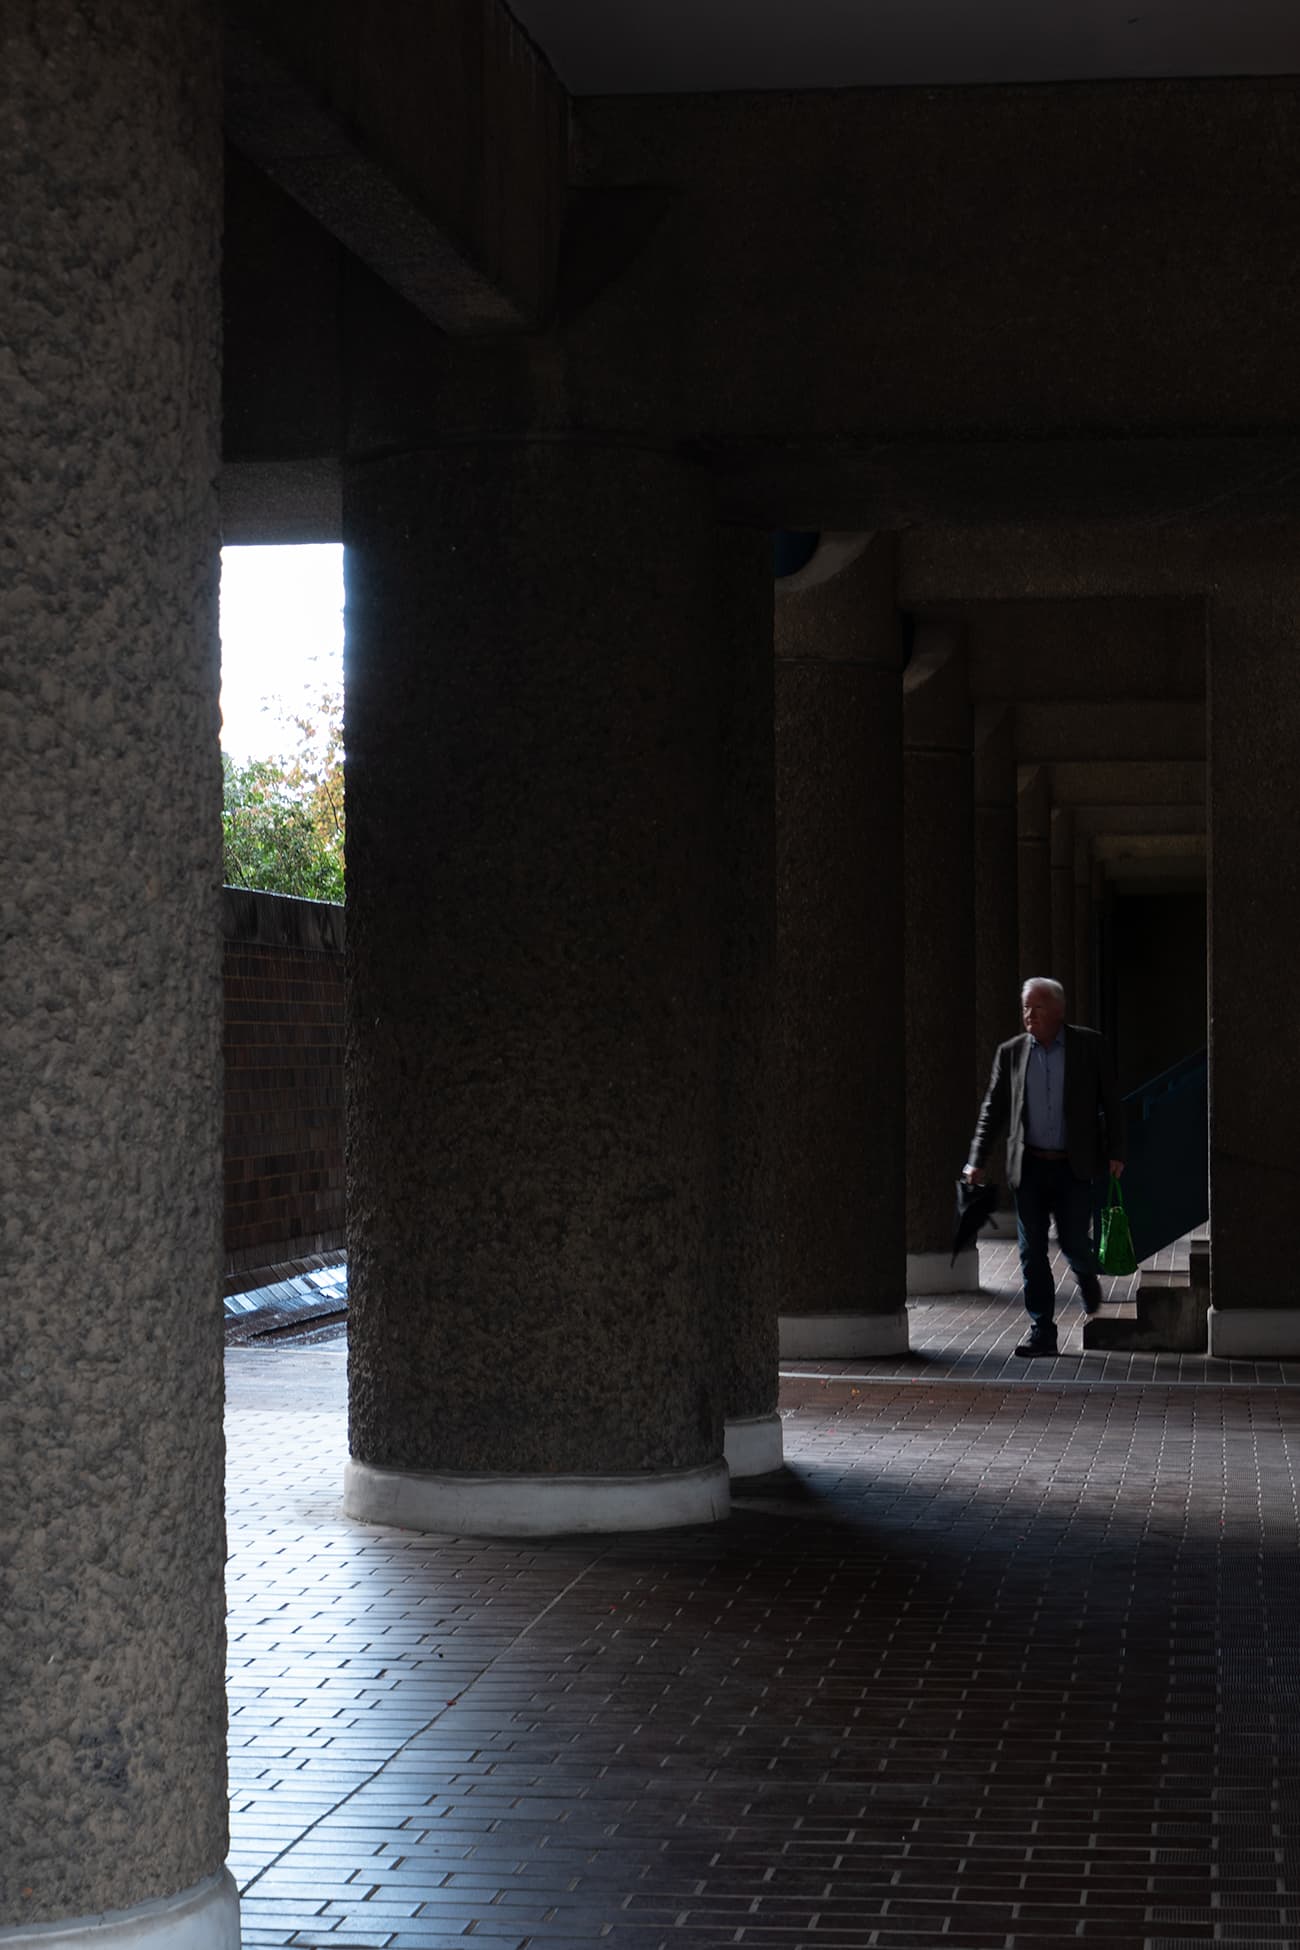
[1105,1013]
[939,938]
[1082,1008]
[1254,902]
[533,943]
[112,1770]
[1063,963]
[840,1129]
[1034,871]
[997,945]
[747,1310]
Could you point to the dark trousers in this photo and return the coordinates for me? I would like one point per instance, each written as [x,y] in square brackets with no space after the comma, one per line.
[1049,1190]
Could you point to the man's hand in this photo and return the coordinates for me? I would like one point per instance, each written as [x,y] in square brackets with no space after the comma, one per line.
[1117,1167]
[974,1174]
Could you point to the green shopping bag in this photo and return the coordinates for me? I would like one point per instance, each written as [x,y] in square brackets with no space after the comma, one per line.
[1116,1256]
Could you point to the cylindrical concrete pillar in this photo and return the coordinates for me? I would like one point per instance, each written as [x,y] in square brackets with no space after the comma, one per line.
[939,945]
[747,1309]
[840,1131]
[1082,1008]
[997,943]
[1062,857]
[1254,901]
[112,1796]
[1034,871]
[533,708]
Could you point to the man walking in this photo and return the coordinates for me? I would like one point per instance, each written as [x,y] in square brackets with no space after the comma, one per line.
[1053,1091]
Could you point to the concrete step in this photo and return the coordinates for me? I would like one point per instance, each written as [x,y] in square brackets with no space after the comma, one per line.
[1170,1314]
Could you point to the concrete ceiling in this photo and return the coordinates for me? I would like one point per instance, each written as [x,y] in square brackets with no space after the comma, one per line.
[641,47]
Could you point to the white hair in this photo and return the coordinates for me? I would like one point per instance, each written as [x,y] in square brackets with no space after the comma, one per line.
[1054,989]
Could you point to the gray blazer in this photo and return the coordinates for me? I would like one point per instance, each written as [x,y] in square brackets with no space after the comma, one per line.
[1094,1114]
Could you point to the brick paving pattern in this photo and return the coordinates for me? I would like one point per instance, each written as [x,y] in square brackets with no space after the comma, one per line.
[972,1337]
[992,1667]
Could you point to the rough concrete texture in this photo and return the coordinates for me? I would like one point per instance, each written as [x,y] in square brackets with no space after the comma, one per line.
[839,944]
[855,480]
[1062,856]
[1082,1004]
[1070,733]
[282,389]
[923,354]
[534,925]
[433,144]
[1034,872]
[284,503]
[1121,782]
[111,1620]
[1017,560]
[1090,653]
[997,953]
[747,1309]
[939,929]
[1067,296]
[1096,822]
[1254,902]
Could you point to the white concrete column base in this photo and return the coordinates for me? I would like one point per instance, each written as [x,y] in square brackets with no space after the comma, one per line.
[1255,1333]
[933,1272]
[842,1337]
[753,1445]
[204,1917]
[534,1506]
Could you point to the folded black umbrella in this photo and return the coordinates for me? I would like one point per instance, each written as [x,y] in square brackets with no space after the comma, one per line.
[975,1208]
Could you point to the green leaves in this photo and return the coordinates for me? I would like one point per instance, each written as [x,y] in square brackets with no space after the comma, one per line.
[283,819]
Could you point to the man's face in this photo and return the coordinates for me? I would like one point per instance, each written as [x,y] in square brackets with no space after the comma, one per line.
[1042,1014]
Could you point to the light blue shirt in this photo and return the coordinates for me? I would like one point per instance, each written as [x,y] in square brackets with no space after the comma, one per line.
[1045,1095]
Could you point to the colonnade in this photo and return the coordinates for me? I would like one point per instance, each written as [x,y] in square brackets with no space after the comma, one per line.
[680,931]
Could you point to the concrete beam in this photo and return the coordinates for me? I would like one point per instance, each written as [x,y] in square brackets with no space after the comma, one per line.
[1171,729]
[1177,875]
[1091,651]
[1092,822]
[1121,850]
[281,502]
[965,297]
[281,285]
[1026,561]
[854,478]
[430,141]
[1131,782]
[1136,863]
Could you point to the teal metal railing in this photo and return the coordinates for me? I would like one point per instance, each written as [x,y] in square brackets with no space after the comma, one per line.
[1167,1179]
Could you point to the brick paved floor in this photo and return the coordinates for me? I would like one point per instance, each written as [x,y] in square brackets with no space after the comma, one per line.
[992,1667]
[972,1337]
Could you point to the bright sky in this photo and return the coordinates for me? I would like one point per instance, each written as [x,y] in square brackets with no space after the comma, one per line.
[281,641]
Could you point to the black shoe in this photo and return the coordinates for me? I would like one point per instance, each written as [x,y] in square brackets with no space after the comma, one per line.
[1036,1342]
[1091,1297]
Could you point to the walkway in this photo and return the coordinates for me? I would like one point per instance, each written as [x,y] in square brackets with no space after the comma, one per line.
[993,1667]
[973,1338]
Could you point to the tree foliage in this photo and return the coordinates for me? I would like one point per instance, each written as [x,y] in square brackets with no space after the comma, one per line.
[283,818]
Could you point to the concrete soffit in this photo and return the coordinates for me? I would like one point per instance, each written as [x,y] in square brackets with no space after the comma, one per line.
[369,134]
[281,502]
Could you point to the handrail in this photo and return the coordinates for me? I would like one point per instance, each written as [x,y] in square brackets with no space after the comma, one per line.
[1188,1069]
[1166,1183]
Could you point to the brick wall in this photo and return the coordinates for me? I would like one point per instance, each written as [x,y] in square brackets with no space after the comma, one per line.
[284,1081]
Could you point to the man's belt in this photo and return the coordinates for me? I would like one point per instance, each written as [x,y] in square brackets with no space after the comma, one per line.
[1035,1151]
